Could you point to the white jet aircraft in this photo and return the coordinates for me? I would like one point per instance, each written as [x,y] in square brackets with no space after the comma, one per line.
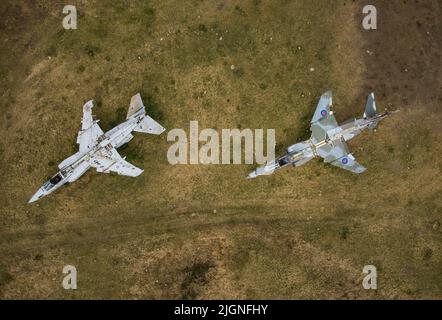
[99,150]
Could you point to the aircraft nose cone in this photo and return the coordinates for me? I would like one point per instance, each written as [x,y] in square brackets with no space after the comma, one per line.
[33,199]
[36,196]
[251,175]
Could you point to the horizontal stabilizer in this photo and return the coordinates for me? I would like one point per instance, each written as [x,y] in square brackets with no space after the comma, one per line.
[135,105]
[149,125]
[370,107]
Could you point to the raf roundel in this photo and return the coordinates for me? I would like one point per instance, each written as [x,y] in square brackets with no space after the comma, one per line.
[344,160]
[323,113]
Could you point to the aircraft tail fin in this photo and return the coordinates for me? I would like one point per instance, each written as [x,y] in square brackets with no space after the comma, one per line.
[370,107]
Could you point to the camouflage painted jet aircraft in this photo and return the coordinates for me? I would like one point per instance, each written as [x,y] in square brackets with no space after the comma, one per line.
[99,150]
[328,139]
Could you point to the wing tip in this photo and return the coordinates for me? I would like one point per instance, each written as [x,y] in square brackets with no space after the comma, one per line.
[88,105]
[136,96]
[328,95]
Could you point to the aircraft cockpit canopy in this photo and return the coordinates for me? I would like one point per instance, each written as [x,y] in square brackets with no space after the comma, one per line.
[283,161]
[56,179]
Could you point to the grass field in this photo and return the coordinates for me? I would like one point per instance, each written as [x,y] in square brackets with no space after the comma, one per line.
[196,231]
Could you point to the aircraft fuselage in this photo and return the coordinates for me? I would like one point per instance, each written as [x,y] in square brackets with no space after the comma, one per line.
[302,152]
[76,165]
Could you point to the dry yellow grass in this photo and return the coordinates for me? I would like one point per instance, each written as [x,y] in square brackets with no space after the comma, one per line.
[194,231]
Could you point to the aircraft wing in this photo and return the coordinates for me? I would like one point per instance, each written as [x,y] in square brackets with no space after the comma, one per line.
[337,154]
[323,107]
[90,130]
[348,162]
[323,120]
[109,160]
[87,120]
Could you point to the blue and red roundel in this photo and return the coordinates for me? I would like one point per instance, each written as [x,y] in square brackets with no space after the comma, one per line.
[323,113]
[344,160]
